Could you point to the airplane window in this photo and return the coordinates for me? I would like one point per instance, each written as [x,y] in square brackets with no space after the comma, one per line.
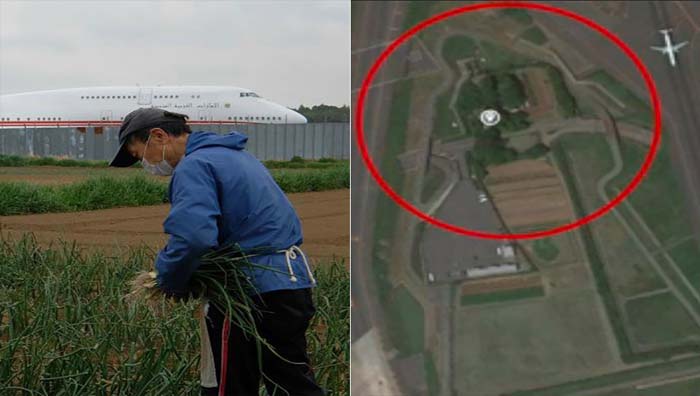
[28,118]
[59,118]
[197,96]
[177,96]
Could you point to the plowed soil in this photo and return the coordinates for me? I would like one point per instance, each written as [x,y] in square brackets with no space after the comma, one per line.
[325,219]
[528,193]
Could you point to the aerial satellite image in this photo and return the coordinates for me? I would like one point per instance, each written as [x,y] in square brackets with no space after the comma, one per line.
[509,121]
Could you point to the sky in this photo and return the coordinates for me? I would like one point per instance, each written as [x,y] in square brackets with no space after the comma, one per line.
[290,52]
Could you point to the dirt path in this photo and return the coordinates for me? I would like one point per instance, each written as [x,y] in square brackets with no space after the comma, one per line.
[325,219]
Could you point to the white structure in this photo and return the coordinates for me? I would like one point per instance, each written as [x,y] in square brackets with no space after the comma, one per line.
[107,106]
[499,269]
[490,117]
[506,251]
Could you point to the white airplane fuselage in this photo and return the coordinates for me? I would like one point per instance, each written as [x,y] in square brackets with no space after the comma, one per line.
[107,106]
[669,49]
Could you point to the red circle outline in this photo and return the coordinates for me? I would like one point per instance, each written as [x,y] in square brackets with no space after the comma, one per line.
[359,121]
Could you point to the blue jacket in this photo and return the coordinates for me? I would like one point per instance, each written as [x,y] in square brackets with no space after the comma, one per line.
[221,194]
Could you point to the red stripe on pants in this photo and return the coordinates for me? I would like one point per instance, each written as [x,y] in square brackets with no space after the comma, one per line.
[224,354]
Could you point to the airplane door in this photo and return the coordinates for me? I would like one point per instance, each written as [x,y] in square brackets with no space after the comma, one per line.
[106,115]
[145,95]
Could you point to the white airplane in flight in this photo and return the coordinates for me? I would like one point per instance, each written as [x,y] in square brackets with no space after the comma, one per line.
[669,49]
[107,106]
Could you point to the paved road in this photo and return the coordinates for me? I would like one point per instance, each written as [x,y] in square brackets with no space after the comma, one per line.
[373,23]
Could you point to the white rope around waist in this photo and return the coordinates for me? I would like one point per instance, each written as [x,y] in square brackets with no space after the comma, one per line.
[291,254]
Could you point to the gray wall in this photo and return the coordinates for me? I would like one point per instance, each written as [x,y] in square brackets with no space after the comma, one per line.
[266,141]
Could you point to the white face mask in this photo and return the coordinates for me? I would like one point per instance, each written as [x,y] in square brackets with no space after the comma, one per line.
[163,168]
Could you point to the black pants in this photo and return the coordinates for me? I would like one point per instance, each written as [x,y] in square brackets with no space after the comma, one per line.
[285,317]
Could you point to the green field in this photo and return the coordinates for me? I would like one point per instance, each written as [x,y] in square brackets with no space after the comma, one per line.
[613,263]
[679,387]
[137,190]
[659,199]
[550,339]
[687,257]
[535,36]
[502,296]
[638,111]
[458,47]
[65,328]
[615,379]
[405,322]
[20,161]
[650,317]
[566,102]
[546,249]
[518,14]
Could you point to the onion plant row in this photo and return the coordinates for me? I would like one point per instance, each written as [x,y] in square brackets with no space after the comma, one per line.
[66,329]
[107,192]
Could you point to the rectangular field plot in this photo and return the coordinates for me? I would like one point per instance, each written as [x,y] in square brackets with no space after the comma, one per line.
[687,257]
[628,269]
[533,343]
[659,320]
[680,387]
[502,296]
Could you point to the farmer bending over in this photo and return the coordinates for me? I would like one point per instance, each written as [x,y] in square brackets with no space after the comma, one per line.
[220,195]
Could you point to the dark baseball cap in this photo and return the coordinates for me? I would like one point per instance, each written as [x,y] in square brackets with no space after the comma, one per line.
[136,121]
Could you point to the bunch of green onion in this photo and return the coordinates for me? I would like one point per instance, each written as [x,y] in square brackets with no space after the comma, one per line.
[220,280]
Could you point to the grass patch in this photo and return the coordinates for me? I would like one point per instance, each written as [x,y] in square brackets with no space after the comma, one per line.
[499,58]
[458,47]
[502,296]
[20,161]
[431,374]
[535,36]
[666,368]
[444,117]
[518,14]
[659,199]
[566,102]
[659,319]
[687,257]
[603,283]
[108,192]
[405,322]
[65,328]
[637,109]
[546,249]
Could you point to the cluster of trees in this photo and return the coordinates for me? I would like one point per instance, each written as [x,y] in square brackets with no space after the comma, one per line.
[325,113]
[503,92]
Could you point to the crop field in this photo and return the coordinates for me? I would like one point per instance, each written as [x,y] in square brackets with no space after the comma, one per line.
[620,256]
[528,193]
[70,248]
[65,328]
[514,341]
